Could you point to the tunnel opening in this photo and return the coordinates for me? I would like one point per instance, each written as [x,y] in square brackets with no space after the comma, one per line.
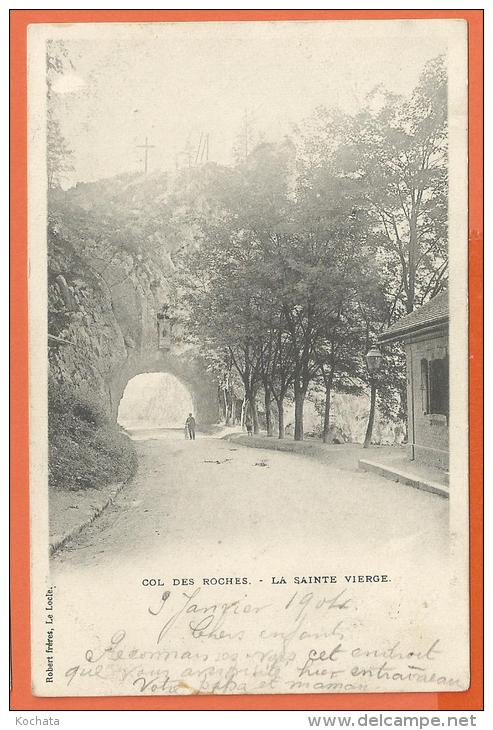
[154,400]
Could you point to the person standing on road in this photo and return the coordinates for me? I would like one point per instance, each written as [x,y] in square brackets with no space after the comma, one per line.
[190,423]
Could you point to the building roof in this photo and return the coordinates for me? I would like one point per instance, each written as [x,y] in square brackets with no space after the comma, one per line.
[431,314]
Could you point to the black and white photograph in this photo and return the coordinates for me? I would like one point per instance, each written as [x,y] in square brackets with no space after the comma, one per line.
[248,357]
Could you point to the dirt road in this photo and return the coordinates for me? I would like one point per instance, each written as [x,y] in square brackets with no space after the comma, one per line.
[213,499]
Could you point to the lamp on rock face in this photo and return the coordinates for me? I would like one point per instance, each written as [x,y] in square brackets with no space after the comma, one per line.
[373,360]
[164,327]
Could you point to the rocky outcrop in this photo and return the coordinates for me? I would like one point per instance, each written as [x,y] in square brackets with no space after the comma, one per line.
[105,320]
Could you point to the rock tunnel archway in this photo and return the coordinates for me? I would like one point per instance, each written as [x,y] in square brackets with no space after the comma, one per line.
[188,370]
[154,401]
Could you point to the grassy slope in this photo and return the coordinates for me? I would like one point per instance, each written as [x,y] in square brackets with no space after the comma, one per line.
[85,450]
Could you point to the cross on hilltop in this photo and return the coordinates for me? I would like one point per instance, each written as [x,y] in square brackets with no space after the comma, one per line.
[146,147]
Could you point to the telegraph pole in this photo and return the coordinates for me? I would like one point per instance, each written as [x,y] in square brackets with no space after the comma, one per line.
[146,147]
[246,133]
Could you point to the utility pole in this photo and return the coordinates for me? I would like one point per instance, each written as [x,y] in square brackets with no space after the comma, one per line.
[202,149]
[146,147]
[199,149]
[246,133]
[193,156]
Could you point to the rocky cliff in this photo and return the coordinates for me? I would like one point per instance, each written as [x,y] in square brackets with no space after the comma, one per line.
[110,284]
[110,294]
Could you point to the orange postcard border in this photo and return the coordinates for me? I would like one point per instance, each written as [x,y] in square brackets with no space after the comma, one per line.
[21,696]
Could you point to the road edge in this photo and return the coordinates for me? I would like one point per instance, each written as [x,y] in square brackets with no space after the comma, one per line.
[58,543]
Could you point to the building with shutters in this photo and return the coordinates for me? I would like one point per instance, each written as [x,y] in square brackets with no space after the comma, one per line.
[424,334]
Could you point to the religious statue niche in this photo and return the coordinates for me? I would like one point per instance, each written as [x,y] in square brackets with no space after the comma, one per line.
[164,328]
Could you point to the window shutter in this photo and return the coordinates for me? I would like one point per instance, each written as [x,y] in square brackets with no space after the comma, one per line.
[424,386]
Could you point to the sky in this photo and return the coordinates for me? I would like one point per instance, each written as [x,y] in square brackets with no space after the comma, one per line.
[173,82]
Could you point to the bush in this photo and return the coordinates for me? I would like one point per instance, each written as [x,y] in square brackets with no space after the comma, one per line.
[85,449]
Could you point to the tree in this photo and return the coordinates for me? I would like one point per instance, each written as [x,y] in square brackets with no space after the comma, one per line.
[333,258]
[248,138]
[399,155]
[311,248]
[395,153]
[282,368]
[239,210]
[339,357]
[220,308]
[388,385]
[58,152]
[281,261]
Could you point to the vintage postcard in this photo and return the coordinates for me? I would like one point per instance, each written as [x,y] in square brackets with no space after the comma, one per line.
[248,357]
